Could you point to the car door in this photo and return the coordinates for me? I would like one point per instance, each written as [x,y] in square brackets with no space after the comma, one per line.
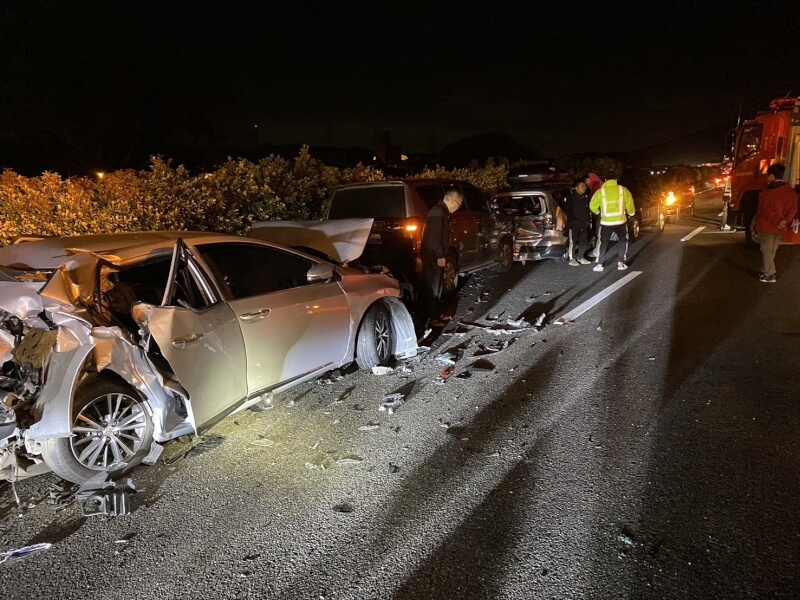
[291,327]
[485,225]
[199,336]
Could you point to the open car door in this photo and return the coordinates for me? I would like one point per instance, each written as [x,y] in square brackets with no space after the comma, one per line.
[198,335]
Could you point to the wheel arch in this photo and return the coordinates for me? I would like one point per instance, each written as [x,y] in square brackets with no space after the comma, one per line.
[404,340]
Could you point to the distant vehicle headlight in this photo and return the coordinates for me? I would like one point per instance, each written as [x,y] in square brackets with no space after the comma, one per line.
[670,199]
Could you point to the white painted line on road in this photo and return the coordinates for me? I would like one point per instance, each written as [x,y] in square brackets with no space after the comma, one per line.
[596,299]
[691,235]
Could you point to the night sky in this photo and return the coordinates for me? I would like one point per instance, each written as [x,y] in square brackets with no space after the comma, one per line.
[109,82]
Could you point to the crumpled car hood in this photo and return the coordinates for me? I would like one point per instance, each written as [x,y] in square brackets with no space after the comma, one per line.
[343,240]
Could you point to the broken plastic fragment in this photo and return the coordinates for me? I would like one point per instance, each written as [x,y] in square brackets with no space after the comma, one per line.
[20,553]
[100,497]
[392,402]
[540,320]
[381,370]
[369,427]
[350,459]
[263,442]
[481,365]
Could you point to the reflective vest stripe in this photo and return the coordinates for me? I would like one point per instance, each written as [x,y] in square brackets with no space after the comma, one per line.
[620,206]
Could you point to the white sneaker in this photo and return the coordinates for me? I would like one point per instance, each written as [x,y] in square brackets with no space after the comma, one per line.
[574,263]
[598,267]
[592,254]
[583,261]
[621,266]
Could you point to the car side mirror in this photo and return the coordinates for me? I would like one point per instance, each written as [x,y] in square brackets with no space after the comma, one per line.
[319,272]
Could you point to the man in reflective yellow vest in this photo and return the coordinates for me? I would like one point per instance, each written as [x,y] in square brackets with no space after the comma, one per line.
[614,204]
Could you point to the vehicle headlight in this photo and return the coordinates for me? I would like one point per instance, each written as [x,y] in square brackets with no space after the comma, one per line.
[670,199]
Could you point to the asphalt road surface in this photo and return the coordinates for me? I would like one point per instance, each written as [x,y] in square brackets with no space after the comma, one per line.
[646,448]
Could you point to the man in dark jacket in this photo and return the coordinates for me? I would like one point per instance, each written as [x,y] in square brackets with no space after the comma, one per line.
[777,206]
[435,244]
[579,220]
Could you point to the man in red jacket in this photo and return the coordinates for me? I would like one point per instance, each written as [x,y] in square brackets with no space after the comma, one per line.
[777,206]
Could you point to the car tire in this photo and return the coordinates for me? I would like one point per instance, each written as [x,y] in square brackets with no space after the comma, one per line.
[634,229]
[661,222]
[505,255]
[79,457]
[450,276]
[751,231]
[375,338]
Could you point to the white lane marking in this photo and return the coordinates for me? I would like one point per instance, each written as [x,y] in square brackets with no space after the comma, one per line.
[597,298]
[691,235]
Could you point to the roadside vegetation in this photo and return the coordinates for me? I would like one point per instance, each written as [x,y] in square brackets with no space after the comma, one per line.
[227,199]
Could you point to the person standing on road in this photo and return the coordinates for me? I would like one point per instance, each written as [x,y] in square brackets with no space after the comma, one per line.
[593,183]
[777,206]
[614,204]
[435,244]
[579,219]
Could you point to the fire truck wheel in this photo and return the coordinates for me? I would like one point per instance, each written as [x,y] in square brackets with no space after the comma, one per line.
[751,231]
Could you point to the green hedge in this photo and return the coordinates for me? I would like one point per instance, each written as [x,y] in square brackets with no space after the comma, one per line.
[164,197]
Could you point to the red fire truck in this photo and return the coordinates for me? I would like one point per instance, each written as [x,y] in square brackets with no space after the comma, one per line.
[772,136]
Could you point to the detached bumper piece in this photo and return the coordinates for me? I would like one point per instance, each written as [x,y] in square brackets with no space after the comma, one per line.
[100,497]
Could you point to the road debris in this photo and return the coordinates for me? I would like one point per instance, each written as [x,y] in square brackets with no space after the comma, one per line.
[540,320]
[263,442]
[494,347]
[98,496]
[481,365]
[20,553]
[391,402]
[393,468]
[344,507]
[330,378]
[207,443]
[381,370]
[369,427]
[350,459]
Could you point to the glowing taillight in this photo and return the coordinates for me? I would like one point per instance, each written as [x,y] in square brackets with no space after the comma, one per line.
[412,227]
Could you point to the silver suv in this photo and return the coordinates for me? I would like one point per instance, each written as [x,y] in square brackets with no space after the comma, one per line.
[539,219]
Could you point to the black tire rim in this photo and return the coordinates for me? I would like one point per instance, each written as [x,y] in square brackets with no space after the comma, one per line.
[383,335]
[506,254]
[450,275]
[109,430]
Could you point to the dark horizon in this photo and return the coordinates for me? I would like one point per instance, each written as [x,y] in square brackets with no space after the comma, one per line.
[100,86]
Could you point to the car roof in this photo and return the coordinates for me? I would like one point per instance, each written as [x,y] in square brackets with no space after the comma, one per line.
[405,182]
[51,252]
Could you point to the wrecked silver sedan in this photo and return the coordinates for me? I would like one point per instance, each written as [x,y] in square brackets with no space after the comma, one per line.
[114,344]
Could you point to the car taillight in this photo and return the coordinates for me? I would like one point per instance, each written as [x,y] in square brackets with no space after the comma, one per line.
[545,221]
[411,228]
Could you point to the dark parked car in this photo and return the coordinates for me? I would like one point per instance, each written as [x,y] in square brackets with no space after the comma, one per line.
[478,240]
[651,210]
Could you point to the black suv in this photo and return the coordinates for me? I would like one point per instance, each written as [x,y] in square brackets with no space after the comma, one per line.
[478,239]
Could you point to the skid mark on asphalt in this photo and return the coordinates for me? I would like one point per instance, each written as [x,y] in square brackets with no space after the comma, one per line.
[597,298]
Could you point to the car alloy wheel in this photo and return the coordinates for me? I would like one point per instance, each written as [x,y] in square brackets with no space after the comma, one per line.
[112,432]
[450,276]
[505,255]
[375,341]
[109,430]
